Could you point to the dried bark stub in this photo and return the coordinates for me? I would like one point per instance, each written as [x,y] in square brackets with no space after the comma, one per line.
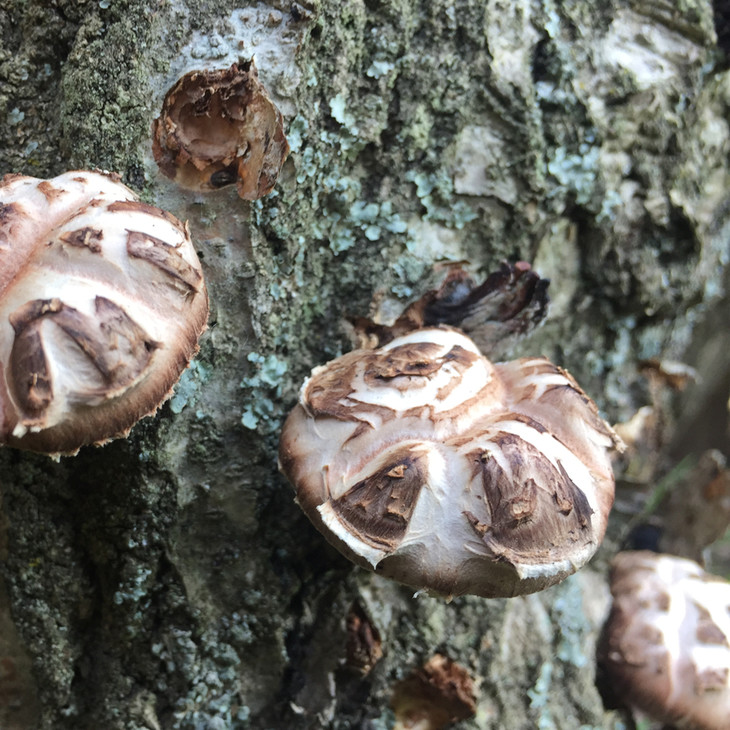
[364,647]
[220,127]
[425,461]
[102,302]
[666,645]
[508,304]
[438,694]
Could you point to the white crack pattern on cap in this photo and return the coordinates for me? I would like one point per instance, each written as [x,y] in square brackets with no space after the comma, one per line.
[430,464]
[102,302]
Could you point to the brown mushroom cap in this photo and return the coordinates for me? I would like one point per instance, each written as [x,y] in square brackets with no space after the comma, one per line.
[102,302]
[666,644]
[425,461]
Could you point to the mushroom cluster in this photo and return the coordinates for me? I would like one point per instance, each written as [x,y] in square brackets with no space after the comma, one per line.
[102,302]
[424,460]
[666,645]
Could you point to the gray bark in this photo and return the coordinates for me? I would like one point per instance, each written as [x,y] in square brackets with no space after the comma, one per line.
[168,580]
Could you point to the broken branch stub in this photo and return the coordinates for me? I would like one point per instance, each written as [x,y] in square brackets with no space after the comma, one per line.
[508,304]
[439,693]
[102,302]
[220,127]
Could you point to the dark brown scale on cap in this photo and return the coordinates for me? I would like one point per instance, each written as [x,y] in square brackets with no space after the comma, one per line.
[379,508]
[86,237]
[114,344]
[166,257]
[10,215]
[531,500]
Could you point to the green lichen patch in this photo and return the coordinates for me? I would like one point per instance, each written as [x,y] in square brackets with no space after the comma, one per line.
[263,393]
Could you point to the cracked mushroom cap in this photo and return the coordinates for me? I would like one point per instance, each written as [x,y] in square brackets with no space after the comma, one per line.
[430,464]
[666,644]
[102,302]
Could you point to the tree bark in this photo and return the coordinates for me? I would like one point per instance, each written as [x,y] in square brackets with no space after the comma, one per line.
[168,580]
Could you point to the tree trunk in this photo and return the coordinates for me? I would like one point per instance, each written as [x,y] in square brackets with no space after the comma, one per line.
[168,580]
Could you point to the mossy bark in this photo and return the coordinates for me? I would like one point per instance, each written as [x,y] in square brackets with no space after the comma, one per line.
[168,580]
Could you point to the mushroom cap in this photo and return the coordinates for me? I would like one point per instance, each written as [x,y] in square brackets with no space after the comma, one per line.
[102,302]
[666,644]
[220,127]
[430,464]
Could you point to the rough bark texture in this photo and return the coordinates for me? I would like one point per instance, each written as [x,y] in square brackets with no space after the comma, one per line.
[168,580]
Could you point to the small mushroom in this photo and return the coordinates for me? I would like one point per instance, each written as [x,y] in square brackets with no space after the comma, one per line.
[102,302]
[665,648]
[428,463]
[220,127]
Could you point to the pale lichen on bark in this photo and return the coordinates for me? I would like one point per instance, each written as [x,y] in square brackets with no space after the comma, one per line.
[169,580]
